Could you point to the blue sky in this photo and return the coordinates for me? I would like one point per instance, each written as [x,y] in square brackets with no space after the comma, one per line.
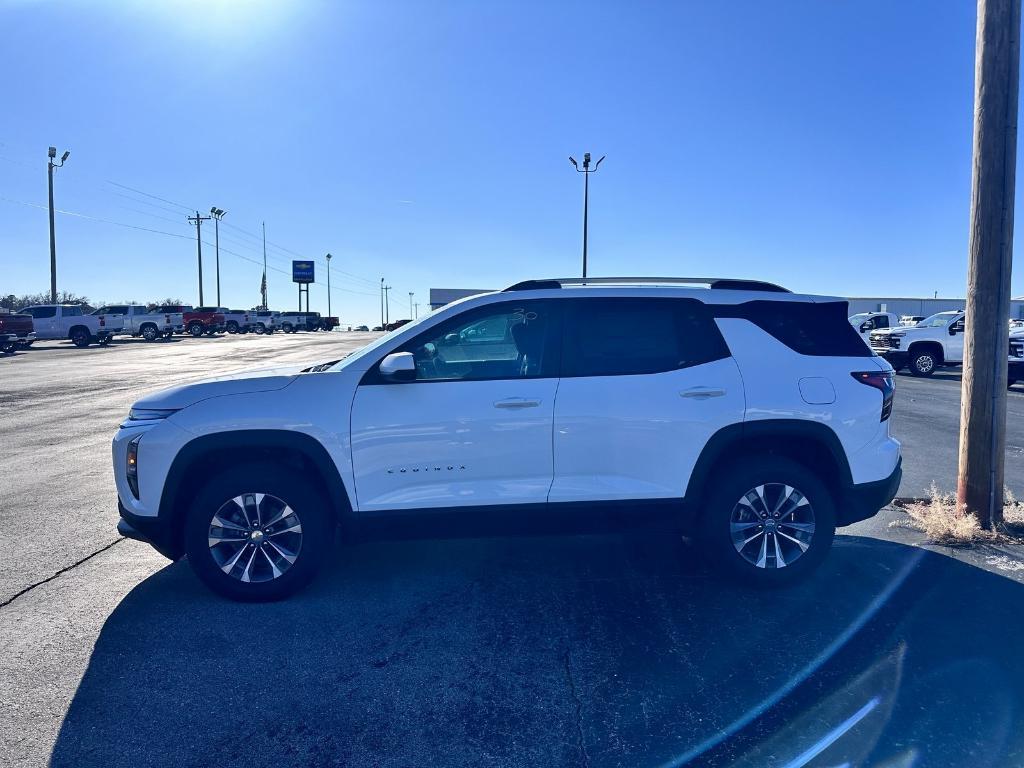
[822,145]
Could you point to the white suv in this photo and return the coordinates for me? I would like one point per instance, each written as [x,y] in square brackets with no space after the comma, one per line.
[752,417]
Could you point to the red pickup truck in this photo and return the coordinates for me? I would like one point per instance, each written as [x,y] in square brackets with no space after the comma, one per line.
[199,320]
[16,331]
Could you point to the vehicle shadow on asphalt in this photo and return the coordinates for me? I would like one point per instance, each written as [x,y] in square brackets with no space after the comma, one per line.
[595,651]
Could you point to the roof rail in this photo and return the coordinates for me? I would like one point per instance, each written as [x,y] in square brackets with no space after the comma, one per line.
[720,283]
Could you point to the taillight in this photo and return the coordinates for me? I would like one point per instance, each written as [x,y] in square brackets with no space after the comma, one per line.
[884,382]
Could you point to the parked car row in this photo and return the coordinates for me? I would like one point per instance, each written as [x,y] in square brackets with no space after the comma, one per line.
[56,322]
[930,343]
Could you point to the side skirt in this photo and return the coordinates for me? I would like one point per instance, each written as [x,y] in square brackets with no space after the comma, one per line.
[540,519]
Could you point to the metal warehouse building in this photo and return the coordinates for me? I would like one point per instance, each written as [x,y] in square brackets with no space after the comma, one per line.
[924,307]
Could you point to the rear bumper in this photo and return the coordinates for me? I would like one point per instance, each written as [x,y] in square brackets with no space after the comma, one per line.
[151,530]
[863,500]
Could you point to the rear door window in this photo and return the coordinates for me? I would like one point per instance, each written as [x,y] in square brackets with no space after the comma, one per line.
[631,336]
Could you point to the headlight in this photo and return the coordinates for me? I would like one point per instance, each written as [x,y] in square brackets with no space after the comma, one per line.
[131,468]
[150,414]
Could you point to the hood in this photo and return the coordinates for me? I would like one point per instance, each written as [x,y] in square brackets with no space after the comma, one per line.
[237,383]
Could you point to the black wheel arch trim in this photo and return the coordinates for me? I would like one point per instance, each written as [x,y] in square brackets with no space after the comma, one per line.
[225,446]
[751,436]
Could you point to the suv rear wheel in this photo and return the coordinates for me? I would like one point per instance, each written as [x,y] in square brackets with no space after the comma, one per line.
[767,522]
[257,533]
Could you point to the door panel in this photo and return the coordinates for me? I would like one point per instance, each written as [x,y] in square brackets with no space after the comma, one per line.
[645,383]
[474,428]
[442,444]
[638,437]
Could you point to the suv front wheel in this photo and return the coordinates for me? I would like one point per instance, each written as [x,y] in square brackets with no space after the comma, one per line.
[769,521]
[257,533]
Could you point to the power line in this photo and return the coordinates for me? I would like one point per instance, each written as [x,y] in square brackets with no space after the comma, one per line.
[147,194]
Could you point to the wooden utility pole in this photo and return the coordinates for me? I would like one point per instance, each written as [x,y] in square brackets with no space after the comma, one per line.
[986,342]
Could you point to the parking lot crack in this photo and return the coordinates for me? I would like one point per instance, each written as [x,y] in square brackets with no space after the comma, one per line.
[578,717]
[61,572]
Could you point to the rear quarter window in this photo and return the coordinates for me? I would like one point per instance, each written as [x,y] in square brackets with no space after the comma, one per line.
[818,329]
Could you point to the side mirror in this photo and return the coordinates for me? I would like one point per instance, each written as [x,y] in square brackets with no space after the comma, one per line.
[398,366]
[865,326]
[956,328]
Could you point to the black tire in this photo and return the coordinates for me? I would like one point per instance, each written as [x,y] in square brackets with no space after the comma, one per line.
[725,506]
[287,327]
[260,329]
[150,332]
[922,362]
[105,341]
[80,337]
[195,330]
[232,327]
[310,510]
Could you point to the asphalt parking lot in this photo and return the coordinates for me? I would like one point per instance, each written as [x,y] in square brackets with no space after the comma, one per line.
[590,651]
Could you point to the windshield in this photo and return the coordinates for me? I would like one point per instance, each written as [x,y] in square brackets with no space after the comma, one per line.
[937,320]
[860,318]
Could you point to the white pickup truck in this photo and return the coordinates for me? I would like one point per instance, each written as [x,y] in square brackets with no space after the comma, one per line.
[867,322]
[68,321]
[139,321]
[935,341]
[1015,368]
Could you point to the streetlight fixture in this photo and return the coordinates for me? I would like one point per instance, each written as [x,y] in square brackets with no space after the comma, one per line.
[586,170]
[328,285]
[217,214]
[51,153]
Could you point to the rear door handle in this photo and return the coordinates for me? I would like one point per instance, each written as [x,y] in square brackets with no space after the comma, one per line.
[702,393]
[516,402]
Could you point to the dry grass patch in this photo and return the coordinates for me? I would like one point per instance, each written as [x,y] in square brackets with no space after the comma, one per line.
[943,521]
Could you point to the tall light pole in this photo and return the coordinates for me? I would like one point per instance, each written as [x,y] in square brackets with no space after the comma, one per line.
[198,221]
[410,305]
[382,303]
[263,285]
[586,171]
[417,314]
[217,214]
[387,305]
[328,285]
[50,165]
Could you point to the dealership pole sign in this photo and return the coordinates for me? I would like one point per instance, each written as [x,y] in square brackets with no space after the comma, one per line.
[302,272]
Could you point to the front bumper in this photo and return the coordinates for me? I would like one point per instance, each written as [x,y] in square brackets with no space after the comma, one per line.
[863,500]
[151,530]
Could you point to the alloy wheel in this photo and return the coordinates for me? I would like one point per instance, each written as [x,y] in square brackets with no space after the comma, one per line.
[772,525]
[255,537]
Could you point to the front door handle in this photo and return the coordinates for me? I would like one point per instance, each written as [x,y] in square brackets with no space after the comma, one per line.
[516,402]
[702,393]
